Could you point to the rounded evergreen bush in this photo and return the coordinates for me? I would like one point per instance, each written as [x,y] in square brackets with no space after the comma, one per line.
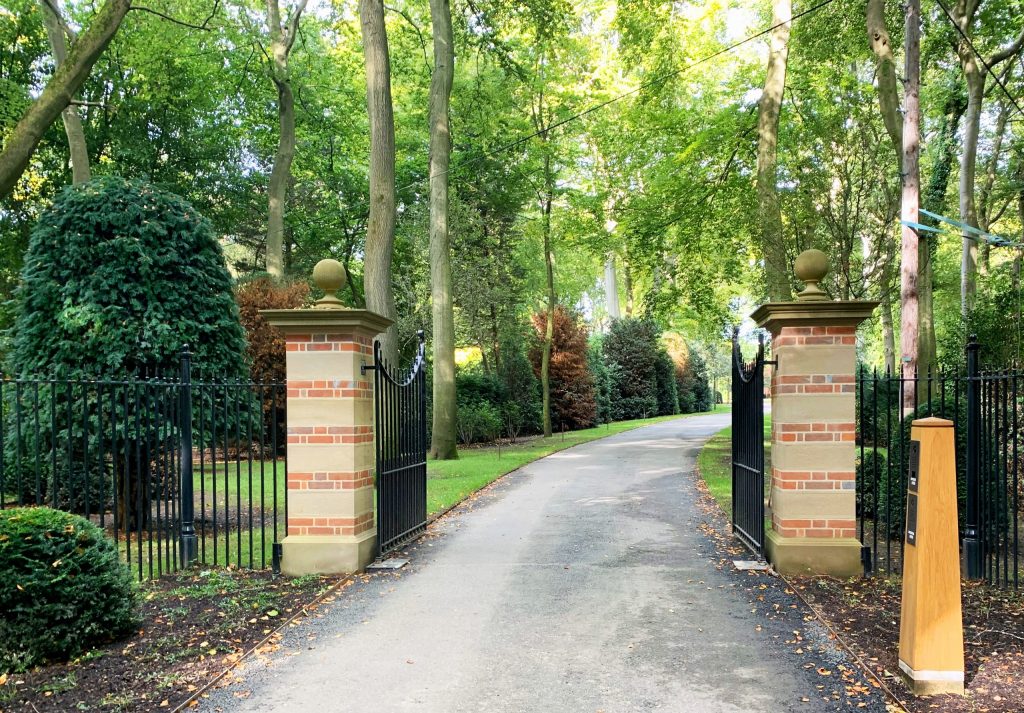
[120,274]
[63,589]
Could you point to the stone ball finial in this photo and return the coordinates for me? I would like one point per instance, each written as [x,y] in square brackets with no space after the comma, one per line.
[810,267]
[329,276]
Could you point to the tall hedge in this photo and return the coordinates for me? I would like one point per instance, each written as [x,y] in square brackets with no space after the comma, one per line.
[522,412]
[118,275]
[631,347]
[604,378]
[693,386]
[695,393]
[668,392]
[572,385]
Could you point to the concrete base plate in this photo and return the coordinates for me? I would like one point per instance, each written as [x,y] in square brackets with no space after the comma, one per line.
[388,564]
[750,565]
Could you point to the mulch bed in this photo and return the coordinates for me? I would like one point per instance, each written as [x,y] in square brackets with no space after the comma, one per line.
[195,626]
[865,613]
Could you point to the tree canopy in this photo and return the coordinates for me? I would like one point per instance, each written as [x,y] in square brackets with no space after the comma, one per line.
[601,141]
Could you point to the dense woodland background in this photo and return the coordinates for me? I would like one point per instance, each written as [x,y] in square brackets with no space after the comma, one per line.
[619,143]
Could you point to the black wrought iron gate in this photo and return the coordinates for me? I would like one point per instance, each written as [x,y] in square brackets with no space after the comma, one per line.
[748,447]
[400,411]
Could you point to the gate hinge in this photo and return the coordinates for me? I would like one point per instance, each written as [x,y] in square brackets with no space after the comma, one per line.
[772,362]
[364,367]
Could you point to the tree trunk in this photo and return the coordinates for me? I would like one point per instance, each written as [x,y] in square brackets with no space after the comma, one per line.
[985,207]
[888,330]
[773,247]
[889,108]
[67,79]
[549,269]
[888,87]
[968,163]
[627,284]
[77,145]
[443,438]
[281,40]
[380,228]
[964,13]
[911,199]
[611,287]
[277,191]
[935,201]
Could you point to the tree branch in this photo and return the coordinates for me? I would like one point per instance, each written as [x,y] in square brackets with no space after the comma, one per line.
[204,26]
[55,9]
[423,42]
[293,25]
[1008,52]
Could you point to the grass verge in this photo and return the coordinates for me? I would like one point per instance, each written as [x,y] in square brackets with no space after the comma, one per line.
[715,464]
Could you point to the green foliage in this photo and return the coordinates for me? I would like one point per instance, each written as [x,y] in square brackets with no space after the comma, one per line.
[631,347]
[103,287]
[103,295]
[478,421]
[665,379]
[878,408]
[506,402]
[521,412]
[604,378]
[694,389]
[482,400]
[62,588]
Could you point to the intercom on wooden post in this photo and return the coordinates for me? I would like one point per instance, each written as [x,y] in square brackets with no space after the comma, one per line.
[931,621]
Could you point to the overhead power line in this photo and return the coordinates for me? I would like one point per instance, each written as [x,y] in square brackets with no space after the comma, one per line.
[655,81]
[980,56]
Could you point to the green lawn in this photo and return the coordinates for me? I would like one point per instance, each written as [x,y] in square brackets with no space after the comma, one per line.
[448,482]
[715,464]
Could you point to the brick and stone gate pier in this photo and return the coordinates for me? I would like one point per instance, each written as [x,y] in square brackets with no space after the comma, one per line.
[813,404]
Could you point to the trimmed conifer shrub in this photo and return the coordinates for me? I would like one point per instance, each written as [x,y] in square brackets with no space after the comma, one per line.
[631,348]
[118,277]
[63,589]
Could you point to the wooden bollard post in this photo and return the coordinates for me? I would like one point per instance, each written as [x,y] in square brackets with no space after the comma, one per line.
[931,620]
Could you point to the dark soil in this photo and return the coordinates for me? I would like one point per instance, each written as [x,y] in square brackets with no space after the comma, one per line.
[195,626]
[866,614]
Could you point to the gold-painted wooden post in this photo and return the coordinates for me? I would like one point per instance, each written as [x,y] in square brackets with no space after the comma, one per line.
[931,621]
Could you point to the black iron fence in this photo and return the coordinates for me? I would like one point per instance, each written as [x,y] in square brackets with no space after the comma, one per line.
[986,407]
[175,469]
